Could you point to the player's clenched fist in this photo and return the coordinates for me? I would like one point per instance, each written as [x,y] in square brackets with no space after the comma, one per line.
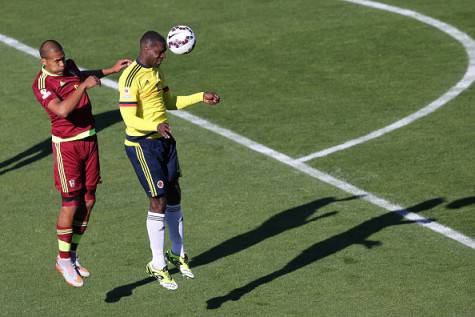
[91,81]
[211,98]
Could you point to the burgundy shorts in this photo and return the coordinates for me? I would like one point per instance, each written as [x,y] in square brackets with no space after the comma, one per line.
[76,166]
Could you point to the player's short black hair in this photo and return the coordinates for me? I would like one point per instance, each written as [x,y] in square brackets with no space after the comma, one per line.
[49,45]
[151,38]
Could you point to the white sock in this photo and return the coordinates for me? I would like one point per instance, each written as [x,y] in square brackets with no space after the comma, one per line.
[156,235]
[174,218]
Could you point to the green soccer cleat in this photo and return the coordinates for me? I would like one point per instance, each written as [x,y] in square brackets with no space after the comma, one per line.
[163,276]
[181,263]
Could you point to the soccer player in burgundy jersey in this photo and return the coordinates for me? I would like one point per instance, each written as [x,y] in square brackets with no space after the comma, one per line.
[60,87]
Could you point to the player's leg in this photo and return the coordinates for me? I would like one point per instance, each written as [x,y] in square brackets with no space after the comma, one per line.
[147,163]
[80,223]
[156,232]
[64,231]
[174,215]
[89,151]
[66,173]
[174,219]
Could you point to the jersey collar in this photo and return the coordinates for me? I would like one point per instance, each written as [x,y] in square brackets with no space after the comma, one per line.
[43,69]
[139,63]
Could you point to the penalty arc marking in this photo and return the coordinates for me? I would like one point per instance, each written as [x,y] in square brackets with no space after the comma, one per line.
[294,163]
[469,77]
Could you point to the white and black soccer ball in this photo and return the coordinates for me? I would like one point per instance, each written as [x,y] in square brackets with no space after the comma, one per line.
[181,39]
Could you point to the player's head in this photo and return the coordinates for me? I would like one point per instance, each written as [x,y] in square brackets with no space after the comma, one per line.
[152,48]
[52,56]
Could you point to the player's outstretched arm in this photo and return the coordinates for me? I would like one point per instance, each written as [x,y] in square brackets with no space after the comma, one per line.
[118,66]
[181,102]
[64,108]
[99,73]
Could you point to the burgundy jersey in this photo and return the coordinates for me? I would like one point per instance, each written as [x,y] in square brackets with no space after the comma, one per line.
[49,86]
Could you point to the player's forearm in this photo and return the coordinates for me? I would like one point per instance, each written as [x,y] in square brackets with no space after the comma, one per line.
[86,73]
[180,102]
[65,107]
[131,120]
[108,71]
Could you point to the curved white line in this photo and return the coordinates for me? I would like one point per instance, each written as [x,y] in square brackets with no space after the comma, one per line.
[469,77]
[285,159]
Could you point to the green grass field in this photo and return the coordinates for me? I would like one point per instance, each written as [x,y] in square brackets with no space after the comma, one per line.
[265,239]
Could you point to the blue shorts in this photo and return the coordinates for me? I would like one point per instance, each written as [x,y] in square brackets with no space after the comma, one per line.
[155,162]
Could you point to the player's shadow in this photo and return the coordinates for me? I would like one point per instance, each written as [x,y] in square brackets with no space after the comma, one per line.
[283,221]
[462,202]
[277,224]
[43,148]
[357,235]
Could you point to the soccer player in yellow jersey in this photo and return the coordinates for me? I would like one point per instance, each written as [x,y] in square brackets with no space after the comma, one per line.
[151,148]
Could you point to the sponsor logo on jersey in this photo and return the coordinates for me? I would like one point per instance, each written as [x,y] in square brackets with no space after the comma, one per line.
[72,183]
[45,93]
[160,184]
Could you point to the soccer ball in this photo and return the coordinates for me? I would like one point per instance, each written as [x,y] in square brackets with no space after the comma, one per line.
[181,39]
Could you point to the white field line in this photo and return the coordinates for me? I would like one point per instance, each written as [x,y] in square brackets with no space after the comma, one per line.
[300,166]
[469,77]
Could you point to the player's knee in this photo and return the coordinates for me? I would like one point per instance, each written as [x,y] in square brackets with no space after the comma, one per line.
[158,204]
[174,194]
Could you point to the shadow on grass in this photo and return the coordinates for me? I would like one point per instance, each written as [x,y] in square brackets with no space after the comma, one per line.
[279,223]
[357,235]
[462,202]
[43,148]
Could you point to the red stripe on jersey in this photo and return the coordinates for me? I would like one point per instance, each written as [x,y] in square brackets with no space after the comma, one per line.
[127,104]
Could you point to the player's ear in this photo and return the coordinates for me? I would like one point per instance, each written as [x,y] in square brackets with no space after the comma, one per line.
[43,61]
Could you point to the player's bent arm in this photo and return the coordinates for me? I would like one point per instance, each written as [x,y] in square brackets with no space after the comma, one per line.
[63,108]
[129,114]
[180,102]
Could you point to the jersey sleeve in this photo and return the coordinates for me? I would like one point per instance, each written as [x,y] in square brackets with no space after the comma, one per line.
[128,94]
[180,102]
[44,93]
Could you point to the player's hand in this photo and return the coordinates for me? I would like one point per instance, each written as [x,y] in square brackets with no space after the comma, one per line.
[120,64]
[211,98]
[164,130]
[91,81]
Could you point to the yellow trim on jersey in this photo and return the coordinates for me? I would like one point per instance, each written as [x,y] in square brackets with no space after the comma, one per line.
[43,69]
[59,162]
[146,170]
[80,136]
[42,81]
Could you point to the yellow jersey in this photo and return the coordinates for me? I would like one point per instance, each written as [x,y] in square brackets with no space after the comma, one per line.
[144,99]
